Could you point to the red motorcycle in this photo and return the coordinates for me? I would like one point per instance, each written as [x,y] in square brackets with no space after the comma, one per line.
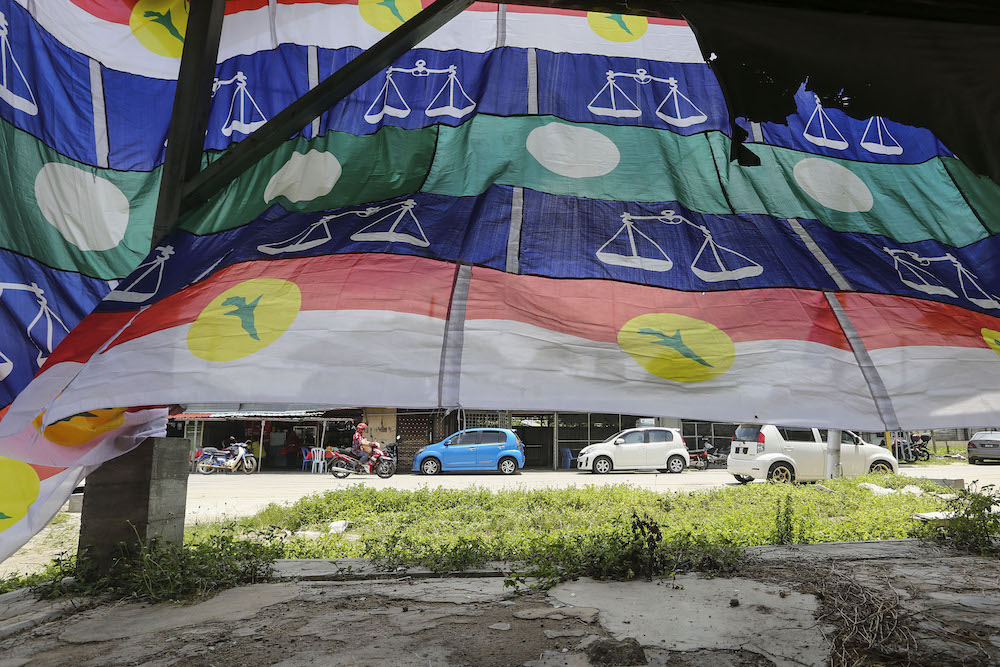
[380,461]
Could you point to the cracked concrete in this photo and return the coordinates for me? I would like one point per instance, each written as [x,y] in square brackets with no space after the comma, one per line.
[950,602]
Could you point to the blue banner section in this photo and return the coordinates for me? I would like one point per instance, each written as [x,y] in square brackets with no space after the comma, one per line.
[426,87]
[831,132]
[138,111]
[663,244]
[682,97]
[967,277]
[251,89]
[470,229]
[44,86]
[39,306]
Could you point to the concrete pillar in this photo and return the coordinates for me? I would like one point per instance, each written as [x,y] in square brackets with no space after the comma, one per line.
[832,453]
[555,441]
[142,493]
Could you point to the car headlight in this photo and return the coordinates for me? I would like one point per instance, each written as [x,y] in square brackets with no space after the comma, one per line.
[420,451]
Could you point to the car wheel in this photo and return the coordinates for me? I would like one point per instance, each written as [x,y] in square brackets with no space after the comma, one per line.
[507,465]
[675,464]
[603,465]
[743,479]
[880,468]
[973,461]
[782,473]
[430,466]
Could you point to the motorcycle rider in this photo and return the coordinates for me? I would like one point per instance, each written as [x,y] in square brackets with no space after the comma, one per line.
[358,444]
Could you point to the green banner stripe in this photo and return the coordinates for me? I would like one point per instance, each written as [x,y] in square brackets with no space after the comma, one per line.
[70,215]
[334,170]
[905,202]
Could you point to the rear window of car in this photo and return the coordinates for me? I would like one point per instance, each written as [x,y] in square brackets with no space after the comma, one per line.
[660,435]
[493,437]
[987,435]
[797,434]
[744,432]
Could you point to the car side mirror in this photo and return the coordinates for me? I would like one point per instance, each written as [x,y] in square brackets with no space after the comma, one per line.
[620,441]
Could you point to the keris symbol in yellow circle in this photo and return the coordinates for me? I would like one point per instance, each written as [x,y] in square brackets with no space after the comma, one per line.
[992,339]
[387,15]
[679,348]
[81,428]
[159,25]
[18,491]
[617,27]
[244,319]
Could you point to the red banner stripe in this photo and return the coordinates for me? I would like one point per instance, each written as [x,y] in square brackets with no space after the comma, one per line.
[895,321]
[597,309]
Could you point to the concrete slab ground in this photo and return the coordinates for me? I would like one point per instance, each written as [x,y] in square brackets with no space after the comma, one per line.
[926,606]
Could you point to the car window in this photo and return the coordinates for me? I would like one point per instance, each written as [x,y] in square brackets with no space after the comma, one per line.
[493,437]
[660,435]
[846,437]
[747,432]
[797,434]
[633,437]
[467,438]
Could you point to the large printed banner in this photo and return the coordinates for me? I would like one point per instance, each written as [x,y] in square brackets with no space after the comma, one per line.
[534,209]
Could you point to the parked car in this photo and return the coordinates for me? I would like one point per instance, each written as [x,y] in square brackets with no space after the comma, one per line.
[984,446]
[473,449]
[799,454]
[647,448]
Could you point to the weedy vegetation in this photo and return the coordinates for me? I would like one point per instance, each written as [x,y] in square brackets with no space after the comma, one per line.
[547,535]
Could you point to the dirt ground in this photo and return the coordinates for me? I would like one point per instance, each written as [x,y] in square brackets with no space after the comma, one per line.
[882,603]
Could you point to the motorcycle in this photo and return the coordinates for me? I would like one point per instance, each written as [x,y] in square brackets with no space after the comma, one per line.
[708,455]
[381,461]
[236,456]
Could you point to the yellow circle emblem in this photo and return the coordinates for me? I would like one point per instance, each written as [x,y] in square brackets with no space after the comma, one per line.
[159,25]
[244,319]
[81,428]
[992,339]
[387,15]
[18,491]
[617,27]
[679,348]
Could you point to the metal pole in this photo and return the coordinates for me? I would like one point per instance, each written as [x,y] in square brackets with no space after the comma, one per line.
[260,459]
[189,118]
[832,453]
[318,100]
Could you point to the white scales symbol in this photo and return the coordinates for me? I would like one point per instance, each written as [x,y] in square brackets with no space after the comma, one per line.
[149,280]
[676,108]
[882,143]
[719,264]
[6,365]
[390,101]
[247,121]
[7,94]
[398,225]
[909,265]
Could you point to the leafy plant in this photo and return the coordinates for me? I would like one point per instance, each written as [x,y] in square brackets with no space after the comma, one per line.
[975,522]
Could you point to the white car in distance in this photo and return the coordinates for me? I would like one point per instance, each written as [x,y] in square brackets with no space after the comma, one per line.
[646,448]
[786,454]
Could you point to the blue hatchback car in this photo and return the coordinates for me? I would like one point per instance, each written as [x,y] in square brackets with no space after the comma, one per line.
[473,449]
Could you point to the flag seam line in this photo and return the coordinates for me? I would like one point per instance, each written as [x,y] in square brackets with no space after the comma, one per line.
[876,386]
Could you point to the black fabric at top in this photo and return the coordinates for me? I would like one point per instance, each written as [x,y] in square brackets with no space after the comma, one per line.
[942,76]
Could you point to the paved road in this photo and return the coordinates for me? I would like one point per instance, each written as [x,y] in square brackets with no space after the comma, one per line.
[212,497]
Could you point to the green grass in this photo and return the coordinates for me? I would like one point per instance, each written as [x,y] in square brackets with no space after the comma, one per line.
[616,532]
[419,526]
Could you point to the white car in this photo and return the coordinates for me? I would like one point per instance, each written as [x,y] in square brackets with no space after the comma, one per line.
[648,448]
[787,454]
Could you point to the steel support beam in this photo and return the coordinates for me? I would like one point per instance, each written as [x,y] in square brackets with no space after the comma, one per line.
[189,118]
[314,103]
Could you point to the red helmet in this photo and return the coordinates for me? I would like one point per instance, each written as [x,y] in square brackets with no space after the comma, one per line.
[362,426]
